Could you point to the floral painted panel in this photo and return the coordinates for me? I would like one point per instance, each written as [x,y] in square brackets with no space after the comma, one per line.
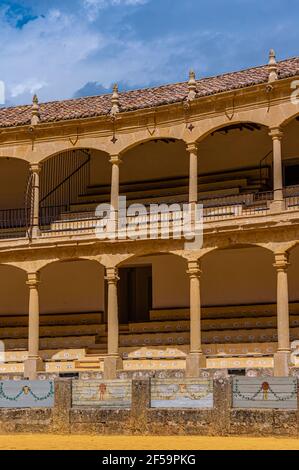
[26,394]
[262,392]
[182,393]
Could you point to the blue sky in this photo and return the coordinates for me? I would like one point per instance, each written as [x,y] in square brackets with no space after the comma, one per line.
[68,48]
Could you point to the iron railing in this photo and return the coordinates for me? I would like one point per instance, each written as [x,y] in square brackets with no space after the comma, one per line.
[59,220]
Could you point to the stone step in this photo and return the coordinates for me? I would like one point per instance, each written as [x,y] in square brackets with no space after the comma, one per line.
[227,312]
[53,331]
[52,343]
[208,337]
[54,319]
[211,324]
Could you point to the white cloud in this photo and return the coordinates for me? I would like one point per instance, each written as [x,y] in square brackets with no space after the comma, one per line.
[31,86]
[94,7]
[46,55]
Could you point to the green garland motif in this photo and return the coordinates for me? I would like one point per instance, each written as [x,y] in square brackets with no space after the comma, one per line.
[22,391]
[236,392]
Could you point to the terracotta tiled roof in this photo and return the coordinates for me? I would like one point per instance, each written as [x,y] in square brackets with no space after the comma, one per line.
[145,98]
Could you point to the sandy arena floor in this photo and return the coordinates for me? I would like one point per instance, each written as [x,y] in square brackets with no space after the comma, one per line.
[49,442]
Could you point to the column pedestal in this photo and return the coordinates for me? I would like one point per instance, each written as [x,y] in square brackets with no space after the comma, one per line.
[112,364]
[277,206]
[194,363]
[282,361]
[32,366]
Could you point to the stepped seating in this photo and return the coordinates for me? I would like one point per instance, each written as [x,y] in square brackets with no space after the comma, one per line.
[230,334]
[236,188]
[57,331]
[233,337]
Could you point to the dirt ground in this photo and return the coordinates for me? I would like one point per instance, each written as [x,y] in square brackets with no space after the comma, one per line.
[51,442]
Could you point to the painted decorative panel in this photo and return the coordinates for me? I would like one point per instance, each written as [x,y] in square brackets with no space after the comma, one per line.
[102,393]
[26,394]
[270,392]
[181,393]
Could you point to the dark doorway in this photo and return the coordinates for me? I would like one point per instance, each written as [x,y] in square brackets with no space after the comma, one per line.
[135,294]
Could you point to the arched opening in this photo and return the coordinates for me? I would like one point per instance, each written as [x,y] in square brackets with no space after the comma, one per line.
[68,188]
[155,171]
[293,277]
[14,175]
[235,166]
[71,304]
[290,162]
[151,289]
[13,316]
[240,311]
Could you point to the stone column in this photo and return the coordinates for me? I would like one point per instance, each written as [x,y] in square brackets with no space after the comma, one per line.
[278,199]
[35,171]
[282,357]
[193,172]
[196,359]
[112,362]
[34,363]
[115,162]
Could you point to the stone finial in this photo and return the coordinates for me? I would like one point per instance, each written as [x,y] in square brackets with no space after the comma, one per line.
[115,101]
[273,69]
[192,86]
[35,116]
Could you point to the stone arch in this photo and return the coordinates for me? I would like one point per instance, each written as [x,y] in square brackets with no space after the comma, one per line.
[293,271]
[72,285]
[154,162]
[14,175]
[13,290]
[238,275]
[236,150]
[68,148]
[289,119]
[145,138]
[66,178]
[208,129]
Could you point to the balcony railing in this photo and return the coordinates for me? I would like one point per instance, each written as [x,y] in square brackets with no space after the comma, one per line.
[59,221]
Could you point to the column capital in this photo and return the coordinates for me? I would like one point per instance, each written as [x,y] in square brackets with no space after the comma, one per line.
[112,275]
[33,279]
[276,133]
[192,147]
[115,159]
[194,270]
[35,167]
[281,261]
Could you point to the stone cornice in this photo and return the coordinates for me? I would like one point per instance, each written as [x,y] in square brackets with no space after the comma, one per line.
[249,98]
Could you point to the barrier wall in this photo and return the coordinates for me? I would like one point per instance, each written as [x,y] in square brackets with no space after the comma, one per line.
[78,409]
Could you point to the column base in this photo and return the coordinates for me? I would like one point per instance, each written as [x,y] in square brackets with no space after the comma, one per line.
[282,361]
[111,365]
[35,232]
[277,206]
[194,363]
[32,366]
